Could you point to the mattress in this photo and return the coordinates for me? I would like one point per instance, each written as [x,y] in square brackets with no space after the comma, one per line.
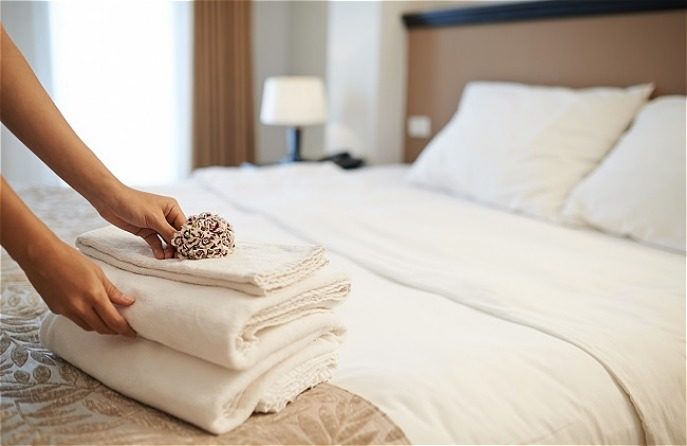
[469,325]
[501,328]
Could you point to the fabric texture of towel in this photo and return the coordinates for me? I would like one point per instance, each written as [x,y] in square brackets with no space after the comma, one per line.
[253,268]
[211,397]
[225,326]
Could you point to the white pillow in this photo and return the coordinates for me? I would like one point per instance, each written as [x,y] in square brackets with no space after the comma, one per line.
[525,147]
[639,189]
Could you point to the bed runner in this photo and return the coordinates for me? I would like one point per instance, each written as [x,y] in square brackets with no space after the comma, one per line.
[45,400]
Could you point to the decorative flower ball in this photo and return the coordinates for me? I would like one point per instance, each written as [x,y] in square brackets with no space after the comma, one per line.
[204,236]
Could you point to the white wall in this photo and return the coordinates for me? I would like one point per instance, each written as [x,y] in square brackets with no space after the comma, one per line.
[28,25]
[135,91]
[352,76]
[359,48]
[182,31]
[119,87]
[270,33]
[289,38]
[366,77]
[308,57]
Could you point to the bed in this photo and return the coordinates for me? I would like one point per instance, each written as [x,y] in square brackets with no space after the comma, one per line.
[467,324]
[444,369]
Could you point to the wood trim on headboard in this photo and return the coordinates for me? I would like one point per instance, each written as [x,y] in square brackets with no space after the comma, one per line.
[610,49]
[535,10]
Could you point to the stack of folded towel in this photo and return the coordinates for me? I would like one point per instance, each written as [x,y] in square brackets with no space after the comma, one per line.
[218,338]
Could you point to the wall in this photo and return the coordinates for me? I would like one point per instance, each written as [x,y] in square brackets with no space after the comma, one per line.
[70,83]
[270,58]
[289,38]
[366,76]
[352,76]
[135,118]
[308,57]
[359,48]
[28,25]
[182,31]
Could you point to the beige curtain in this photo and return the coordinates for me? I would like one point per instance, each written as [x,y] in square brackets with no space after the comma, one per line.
[223,128]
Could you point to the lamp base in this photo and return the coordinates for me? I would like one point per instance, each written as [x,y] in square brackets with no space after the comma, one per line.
[293,139]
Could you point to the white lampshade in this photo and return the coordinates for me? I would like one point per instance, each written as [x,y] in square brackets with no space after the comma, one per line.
[293,101]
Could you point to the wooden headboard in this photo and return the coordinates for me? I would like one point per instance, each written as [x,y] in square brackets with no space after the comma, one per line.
[572,43]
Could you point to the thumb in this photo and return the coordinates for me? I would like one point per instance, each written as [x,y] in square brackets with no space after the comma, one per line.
[116,296]
[162,227]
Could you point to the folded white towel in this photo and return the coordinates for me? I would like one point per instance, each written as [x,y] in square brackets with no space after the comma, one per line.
[226,326]
[207,395]
[254,268]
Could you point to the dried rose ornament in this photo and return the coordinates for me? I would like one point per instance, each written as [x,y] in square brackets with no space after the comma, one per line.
[204,236]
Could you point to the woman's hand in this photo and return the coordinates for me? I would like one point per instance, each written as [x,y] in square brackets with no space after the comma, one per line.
[67,281]
[29,113]
[75,287]
[152,217]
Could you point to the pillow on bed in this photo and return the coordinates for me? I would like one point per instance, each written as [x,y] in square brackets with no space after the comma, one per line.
[639,189]
[524,147]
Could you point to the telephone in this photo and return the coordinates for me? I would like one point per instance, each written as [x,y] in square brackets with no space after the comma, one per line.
[344,160]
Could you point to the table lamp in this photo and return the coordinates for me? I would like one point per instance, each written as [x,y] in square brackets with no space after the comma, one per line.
[293,101]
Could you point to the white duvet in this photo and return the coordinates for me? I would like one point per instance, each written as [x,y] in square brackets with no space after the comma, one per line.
[471,325]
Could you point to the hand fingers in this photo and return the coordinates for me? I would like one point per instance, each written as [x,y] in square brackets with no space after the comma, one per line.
[169,252]
[116,296]
[109,314]
[164,225]
[175,216]
[155,244]
[93,320]
[123,224]
[80,322]
[145,233]
[113,319]
[165,230]
[87,326]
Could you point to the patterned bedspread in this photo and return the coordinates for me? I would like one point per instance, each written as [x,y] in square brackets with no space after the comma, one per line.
[45,400]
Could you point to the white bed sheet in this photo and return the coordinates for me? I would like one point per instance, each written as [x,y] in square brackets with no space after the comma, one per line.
[433,339]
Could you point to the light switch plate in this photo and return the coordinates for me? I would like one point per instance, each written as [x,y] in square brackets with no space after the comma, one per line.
[419,126]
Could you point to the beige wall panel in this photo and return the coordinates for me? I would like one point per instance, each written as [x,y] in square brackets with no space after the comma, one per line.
[614,50]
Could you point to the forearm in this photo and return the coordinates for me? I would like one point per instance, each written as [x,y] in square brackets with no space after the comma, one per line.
[22,234]
[66,280]
[29,113]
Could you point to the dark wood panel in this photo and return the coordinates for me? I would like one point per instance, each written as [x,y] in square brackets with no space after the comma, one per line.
[535,10]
